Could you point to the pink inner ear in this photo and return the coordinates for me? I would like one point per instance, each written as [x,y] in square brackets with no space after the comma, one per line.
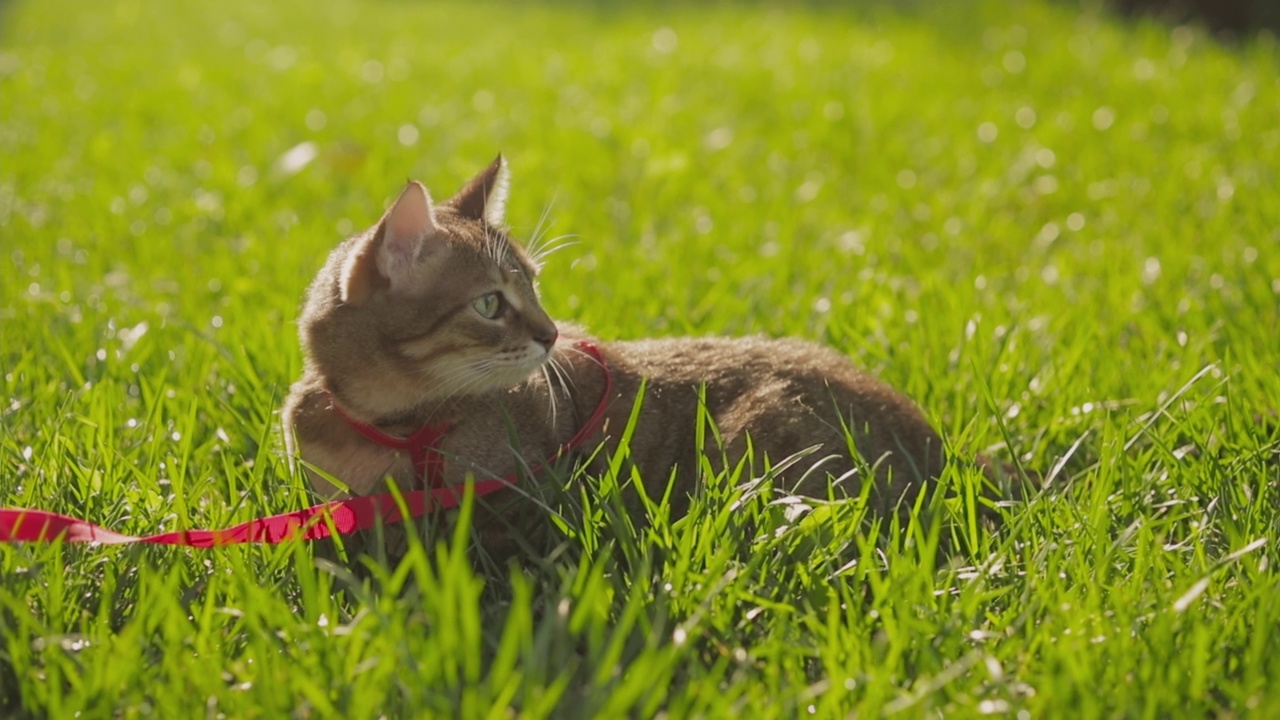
[399,249]
[407,225]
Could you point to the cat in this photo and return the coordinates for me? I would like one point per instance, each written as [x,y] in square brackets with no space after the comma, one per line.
[431,319]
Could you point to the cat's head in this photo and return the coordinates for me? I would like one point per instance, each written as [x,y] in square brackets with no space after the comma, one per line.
[434,301]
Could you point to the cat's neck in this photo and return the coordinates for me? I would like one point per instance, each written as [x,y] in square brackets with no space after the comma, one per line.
[441,412]
[577,397]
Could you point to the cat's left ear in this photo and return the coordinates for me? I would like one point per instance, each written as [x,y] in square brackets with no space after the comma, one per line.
[485,197]
[386,255]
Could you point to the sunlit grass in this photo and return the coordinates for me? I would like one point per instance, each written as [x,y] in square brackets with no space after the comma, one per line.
[1059,233]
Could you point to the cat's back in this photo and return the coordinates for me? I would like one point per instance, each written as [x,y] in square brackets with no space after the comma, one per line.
[757,375]
[749,360]
[788,395]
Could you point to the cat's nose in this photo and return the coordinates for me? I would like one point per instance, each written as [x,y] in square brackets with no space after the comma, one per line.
[546,337]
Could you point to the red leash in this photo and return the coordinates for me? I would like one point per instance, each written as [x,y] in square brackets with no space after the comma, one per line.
[348,516]
[340,517]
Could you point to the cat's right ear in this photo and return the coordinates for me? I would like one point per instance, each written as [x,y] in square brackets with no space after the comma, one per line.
[386,256]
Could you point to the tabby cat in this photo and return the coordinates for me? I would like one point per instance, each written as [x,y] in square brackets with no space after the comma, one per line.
[431,318]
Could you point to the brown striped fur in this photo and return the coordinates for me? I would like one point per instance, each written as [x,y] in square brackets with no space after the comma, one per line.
[393,335]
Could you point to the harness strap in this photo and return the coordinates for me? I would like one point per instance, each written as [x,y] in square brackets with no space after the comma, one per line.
[423,446]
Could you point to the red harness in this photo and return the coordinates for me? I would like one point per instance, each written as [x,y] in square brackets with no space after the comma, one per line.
[340,517]
[424,444]
[423,447]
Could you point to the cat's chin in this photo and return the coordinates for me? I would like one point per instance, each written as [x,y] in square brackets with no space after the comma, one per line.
[518,373]
[384,401]
[500,376]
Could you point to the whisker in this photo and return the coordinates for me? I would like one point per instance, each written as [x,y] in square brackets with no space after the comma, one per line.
[552,246]
[460,371]
[551,394]
[477,371]
[567,384]
[566,379]
[496,249]
[583,353]
[531,247]
[461,391]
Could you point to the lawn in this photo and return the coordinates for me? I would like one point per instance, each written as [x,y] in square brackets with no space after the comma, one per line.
[1057,231]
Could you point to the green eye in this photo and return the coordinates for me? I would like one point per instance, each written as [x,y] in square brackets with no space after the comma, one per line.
[488,305]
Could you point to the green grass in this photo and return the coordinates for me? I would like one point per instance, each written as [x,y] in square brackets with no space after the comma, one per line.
[1088,284]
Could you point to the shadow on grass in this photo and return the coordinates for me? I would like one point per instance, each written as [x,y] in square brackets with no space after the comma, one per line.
[1227,19]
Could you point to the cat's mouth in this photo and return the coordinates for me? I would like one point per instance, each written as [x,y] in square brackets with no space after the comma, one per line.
[538,353]
[514,367]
